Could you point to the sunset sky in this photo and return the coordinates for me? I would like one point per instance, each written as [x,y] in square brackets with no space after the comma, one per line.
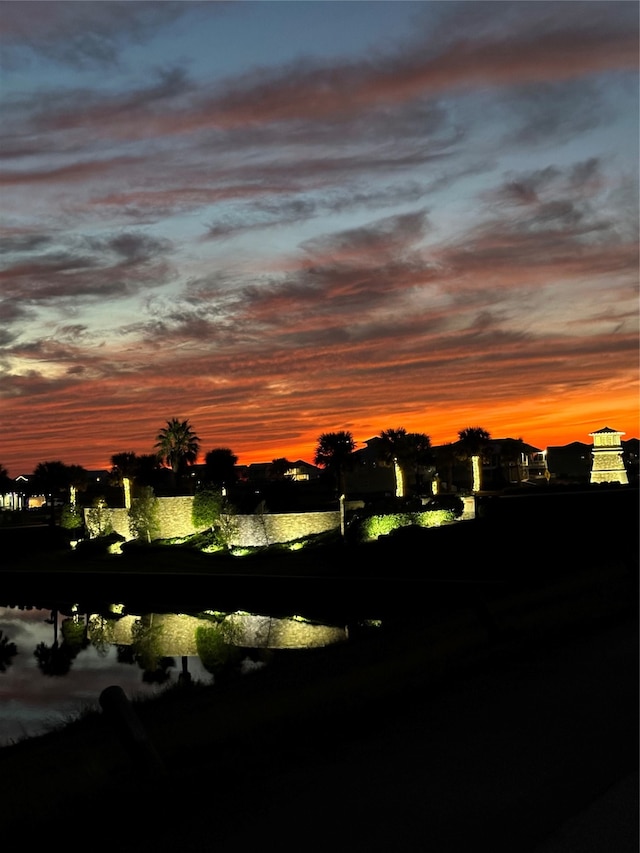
[282,219]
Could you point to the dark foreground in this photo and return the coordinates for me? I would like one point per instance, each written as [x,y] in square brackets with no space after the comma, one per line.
[538,754]
[496,708]
[483,727]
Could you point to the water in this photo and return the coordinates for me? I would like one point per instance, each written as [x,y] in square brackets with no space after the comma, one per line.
[63,661]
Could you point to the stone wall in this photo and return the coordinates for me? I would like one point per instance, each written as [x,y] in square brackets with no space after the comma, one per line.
[251,530]
[174,515]
[268,529]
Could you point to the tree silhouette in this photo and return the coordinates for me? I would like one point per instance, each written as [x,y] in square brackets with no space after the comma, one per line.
[279,469]
[416,455]
[220,467]
[6,483]
[55,479]
[54,660]
[448,455]
[334,452]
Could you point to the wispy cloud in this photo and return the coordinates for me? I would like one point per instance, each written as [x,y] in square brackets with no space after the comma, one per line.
[279,238]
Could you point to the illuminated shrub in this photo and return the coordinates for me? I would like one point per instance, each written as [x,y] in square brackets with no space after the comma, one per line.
[144,523]
[374,526]
[212,510]
[99,519]
[71,518]
[207,507]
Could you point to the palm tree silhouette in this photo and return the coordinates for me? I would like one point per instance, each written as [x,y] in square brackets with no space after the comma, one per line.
[334,452]
[416,455]
[391,443]
[177,445]
[405,451]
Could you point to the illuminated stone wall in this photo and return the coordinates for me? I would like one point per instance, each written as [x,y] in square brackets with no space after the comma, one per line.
[174,516]
[269,529]
[118,518]
[252,530]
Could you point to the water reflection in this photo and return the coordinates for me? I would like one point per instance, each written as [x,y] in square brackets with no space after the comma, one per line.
[55,663]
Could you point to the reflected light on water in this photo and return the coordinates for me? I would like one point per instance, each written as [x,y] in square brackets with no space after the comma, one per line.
[54,665]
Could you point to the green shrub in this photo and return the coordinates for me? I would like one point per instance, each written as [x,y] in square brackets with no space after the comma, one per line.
[71,517]
[144,522]
[212,510]
[374,526]
[99,519]
[206,508]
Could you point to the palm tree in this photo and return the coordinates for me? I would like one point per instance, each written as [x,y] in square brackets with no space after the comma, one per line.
[391,452]
[124,469]
[406,451]
[123,465]
[177,445]
[473,445]
[416,455]
[334,453]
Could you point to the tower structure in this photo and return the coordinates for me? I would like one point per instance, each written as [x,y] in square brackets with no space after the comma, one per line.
[606,457]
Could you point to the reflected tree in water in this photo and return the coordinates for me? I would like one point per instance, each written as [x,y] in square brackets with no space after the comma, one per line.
[8,651]
[147,635]
[53,620]
[185,676]
[125,654]
[216,648]
[74,633]
[102,631]
[160,673]
[54,660]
